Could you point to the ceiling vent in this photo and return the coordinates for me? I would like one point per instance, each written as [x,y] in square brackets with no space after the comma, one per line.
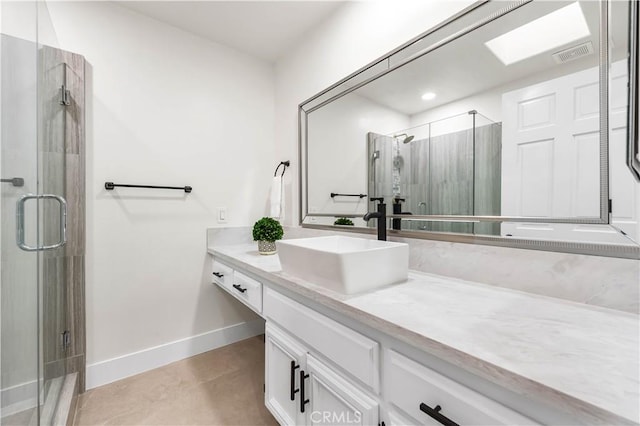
[574,52]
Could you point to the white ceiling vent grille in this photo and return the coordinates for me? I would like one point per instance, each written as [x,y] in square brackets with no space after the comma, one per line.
[574,52]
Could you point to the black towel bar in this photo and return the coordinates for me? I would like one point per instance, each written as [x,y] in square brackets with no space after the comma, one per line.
[110,185]
[333,195]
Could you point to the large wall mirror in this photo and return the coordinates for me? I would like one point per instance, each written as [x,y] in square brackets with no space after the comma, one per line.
[508,124]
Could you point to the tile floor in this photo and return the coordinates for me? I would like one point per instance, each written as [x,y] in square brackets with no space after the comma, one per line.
[219,387]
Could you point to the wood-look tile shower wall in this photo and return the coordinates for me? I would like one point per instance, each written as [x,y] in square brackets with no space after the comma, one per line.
[457,173]
[62,167]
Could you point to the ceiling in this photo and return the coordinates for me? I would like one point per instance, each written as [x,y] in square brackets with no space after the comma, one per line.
[467,67]
[265,29]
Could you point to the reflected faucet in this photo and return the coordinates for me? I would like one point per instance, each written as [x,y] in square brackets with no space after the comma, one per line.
[397,209]
[421,204]
[381,215]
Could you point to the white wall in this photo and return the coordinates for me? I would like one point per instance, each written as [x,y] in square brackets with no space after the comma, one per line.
[166,107]
[355,35]
[28,20]
[18,19]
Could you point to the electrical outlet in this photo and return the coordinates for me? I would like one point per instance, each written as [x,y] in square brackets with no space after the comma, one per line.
[222,215]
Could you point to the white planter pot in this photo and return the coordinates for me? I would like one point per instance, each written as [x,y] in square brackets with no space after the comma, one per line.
[267,247]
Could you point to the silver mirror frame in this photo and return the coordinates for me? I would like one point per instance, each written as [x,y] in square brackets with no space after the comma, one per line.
[382,66]
[633,137]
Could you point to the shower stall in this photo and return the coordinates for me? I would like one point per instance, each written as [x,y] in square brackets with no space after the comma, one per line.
[449,166]
[42,209]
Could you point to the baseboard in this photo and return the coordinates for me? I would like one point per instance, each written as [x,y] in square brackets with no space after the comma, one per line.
[108,371]
[19,398]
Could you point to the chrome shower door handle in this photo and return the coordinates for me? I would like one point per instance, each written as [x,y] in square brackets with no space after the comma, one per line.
[633,131]
[20,221]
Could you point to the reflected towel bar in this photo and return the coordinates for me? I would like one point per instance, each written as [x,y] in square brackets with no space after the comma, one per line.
[110,185]
[333,195]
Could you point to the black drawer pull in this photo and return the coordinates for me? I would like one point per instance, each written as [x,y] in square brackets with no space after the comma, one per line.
[303,401]
[434,413]
[294,367]
[239,288]
[218,274]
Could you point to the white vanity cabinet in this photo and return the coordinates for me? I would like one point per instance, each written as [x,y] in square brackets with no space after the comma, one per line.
[356,354]
[300,389]
[284,360]
[317,371]
[433,399]
[334,400]
[394,418]
[303,388]
[244,288]
[322,369]
[247,290]
[222,274]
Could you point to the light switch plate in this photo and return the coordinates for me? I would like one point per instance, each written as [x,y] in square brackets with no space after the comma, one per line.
[222,215]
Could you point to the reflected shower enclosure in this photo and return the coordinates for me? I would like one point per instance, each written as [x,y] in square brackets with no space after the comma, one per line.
[449,166]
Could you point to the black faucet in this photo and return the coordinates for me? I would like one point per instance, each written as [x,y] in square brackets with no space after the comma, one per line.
[397,209]
[381,215]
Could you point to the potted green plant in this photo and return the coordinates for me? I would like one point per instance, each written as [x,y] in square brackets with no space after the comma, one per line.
[343,221]
[266,231]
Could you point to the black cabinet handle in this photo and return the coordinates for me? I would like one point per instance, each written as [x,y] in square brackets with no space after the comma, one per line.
[240,289]
[218,274]
[294,367]
[434,413]
[303,401]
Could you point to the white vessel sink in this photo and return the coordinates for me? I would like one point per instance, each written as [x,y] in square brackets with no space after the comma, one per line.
[345,264]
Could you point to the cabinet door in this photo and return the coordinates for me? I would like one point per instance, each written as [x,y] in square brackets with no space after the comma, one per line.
[283,363]
[393,418]
[333,400]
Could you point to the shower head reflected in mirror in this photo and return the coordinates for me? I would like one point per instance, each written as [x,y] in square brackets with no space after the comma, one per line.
[407,138]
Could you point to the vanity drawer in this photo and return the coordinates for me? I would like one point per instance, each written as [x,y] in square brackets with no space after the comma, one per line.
[353,352]
[408,384]
[247,290]
[222,274]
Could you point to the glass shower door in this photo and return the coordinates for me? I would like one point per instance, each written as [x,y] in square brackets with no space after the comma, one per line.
[20,367]
[35,258]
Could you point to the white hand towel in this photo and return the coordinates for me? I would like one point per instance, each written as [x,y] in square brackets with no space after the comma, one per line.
[277,199]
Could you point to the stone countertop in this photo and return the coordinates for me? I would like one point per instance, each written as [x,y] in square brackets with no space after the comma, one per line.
[578,358]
